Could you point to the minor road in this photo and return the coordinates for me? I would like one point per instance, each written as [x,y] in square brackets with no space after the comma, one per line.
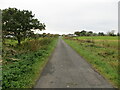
[67,69]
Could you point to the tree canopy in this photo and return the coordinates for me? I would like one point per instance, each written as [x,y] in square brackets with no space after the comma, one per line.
[19,23]
[83,33]
[91,33]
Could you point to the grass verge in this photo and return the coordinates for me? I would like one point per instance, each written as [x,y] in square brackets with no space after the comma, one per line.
[23,69]
[102,59]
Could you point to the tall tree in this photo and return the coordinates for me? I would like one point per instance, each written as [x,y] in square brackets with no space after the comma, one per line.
[77,33]
[89,33]
[19,23]
[83,33]
[101,34]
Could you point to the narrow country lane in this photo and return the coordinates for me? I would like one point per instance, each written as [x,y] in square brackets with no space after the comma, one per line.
[67,69]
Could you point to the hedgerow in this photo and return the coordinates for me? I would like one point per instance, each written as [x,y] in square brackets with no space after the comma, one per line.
[22,73]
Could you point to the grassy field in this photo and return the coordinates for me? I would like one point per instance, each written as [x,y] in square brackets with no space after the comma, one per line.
[106,41]
[98,37]
[23,64]
[101,52]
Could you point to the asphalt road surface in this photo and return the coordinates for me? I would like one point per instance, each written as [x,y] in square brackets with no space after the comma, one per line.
[67,69]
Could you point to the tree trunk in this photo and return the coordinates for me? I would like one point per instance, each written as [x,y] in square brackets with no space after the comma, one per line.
[19,41]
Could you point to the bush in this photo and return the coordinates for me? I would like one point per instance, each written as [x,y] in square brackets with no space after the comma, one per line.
[22,73]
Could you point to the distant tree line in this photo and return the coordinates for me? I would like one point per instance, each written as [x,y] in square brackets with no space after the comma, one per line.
[91,33]
[35,36]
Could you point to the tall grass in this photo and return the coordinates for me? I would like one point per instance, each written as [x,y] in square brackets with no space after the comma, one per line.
[98,37]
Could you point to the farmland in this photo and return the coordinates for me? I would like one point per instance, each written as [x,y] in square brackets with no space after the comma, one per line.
[23,64]
[98,37]
[34,59]
[101,52]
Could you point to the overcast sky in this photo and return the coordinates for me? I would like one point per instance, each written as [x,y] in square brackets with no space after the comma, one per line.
[68,16]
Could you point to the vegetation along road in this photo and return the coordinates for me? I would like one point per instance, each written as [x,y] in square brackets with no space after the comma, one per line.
[25,53]
[67,69]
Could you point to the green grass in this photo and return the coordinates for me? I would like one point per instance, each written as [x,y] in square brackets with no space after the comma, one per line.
[108,44]
[0,76]
[98,37]
[106,41]
[21,70]
[11,41]
[104,59]
[15,42]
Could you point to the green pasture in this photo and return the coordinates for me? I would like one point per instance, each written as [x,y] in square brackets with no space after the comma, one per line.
[98,37]
[106,41]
